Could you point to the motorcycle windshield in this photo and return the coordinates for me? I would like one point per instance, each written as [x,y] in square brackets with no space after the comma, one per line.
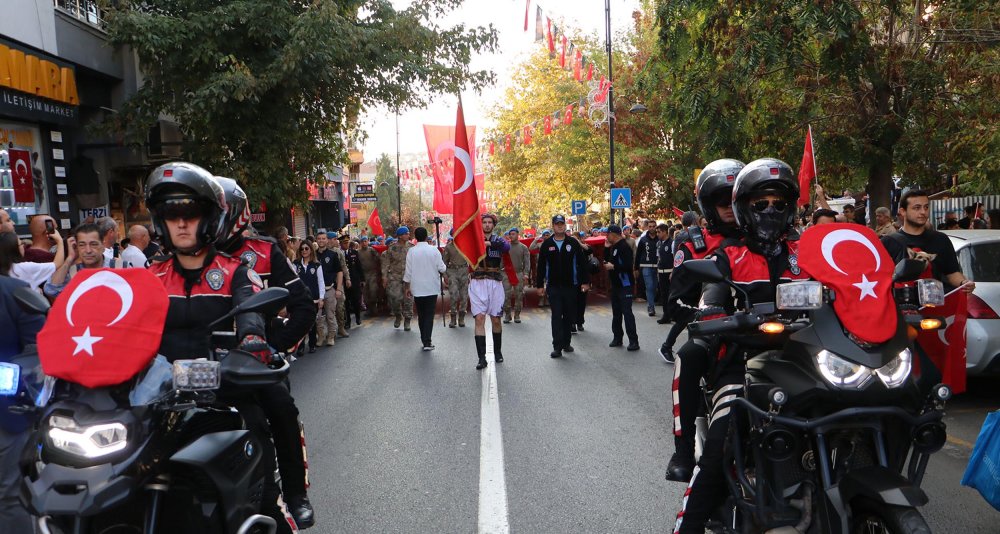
[850,260]
[156,384]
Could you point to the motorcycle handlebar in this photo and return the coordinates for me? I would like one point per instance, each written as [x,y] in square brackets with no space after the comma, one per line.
[731,323]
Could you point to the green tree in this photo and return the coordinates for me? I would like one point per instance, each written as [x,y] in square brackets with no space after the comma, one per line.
[266,91]
[890,87]
[387,192]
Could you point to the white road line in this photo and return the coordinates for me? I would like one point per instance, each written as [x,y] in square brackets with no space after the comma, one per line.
[492,484]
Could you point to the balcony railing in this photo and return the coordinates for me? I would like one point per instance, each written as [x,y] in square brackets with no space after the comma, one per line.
[84,10]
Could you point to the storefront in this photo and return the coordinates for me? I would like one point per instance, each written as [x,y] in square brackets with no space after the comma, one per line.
[39,105]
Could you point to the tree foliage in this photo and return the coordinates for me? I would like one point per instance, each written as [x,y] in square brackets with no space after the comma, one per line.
[266,91]
[889,87]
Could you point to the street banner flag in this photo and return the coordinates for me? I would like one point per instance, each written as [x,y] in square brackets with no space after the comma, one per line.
[539,31]
[375,223]
[807,171]
[578,66]
[469,238]
[946,346]
[550,37]
[20,174]
[527,9]
[678,212]
[440,145]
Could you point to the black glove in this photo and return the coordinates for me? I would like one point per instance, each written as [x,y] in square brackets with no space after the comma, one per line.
[258,347]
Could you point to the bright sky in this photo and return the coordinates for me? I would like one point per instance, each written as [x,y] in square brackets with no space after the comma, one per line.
[514,45]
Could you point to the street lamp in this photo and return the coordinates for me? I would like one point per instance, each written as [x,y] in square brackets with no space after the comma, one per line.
[611,107]
[638,108]
[399,177]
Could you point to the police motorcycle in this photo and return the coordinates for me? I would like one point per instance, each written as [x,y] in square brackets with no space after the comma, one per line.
[158,453]
[831,434]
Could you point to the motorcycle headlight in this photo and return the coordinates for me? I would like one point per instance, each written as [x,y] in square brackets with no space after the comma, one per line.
[841,372]
[894,373]
[91,441]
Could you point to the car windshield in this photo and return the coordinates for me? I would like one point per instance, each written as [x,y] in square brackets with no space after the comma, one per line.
[981,261]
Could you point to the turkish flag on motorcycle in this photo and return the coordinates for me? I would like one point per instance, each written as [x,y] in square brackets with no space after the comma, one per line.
[105,327]
[850,259]
[20,174]
[946,346]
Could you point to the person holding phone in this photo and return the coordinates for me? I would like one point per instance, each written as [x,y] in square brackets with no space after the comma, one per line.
[42,229]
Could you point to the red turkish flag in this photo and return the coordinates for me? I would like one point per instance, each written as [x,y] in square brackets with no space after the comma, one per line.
[375,223]
[469,238]
[440,149]
[590,71]
[548,124]
[568,116]
[678,212]
[807,170]
[20,174]
[850,259]
[508,268]
[550,37]
[105,327]
[946,347]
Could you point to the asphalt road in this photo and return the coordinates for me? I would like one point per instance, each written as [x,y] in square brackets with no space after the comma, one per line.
[395,439]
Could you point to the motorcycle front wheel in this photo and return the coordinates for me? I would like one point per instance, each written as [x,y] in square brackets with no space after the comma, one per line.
[872,518]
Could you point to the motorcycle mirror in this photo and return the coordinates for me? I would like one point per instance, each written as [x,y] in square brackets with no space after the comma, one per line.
[31,301]
[704,270]
[269,299]
[908,270]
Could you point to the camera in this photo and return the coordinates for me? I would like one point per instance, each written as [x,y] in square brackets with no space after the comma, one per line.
[435,220]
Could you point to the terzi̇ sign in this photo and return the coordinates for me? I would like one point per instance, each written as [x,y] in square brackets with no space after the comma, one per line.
[36,87]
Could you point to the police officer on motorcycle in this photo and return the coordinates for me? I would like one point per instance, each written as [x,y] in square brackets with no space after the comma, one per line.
[188,209]
[264,257]
[764,197]
[714,191]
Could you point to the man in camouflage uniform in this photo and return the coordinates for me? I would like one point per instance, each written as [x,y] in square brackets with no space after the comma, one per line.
[393,267]
[370,268]
[520,256]
[458,283]
[342,325]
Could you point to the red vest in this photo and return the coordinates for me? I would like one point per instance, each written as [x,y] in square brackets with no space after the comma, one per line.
[256,253]
[712,242]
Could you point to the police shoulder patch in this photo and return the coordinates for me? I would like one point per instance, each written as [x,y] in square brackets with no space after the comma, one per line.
[255,278]
[793,265]
[678,258]
[250,258]
[215,279]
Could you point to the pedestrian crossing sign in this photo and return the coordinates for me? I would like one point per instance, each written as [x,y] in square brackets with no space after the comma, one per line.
[621,198]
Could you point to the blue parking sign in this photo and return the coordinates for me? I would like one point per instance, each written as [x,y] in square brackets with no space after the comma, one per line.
[579,207]
[621,198]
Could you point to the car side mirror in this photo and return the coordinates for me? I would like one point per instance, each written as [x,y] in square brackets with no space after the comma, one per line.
[704,270]
[908,270]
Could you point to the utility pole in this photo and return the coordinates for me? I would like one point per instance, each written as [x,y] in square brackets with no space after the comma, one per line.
[399,178]
[611,109]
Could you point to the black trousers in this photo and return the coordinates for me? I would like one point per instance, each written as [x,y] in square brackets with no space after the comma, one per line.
[352,302]
[563,301]
[621,310]
[663,288]
[425,316]
[283,419]
[682,317]
[707,489]
[690,366]
[581,306]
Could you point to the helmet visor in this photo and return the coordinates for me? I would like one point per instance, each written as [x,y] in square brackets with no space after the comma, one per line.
[180,208]
[760,206]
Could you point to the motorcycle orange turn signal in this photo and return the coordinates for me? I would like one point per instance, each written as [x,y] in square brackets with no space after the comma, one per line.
[772,328]
[930,324]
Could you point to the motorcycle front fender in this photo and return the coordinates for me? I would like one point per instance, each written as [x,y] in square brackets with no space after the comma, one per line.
[882,486]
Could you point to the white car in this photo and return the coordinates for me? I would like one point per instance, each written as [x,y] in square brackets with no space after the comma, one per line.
[979,256]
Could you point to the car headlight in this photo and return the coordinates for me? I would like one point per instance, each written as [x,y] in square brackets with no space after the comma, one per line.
[841,372]
[894,373]
[91,441]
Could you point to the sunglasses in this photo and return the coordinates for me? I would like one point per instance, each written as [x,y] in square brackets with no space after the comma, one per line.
[724,203]
[761,206]
[180,208]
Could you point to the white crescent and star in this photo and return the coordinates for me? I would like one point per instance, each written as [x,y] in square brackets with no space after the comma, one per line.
[107,279]
[462,155]
[836,237]
[17,169]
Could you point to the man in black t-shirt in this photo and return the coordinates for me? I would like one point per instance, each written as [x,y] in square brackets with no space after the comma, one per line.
[915,240]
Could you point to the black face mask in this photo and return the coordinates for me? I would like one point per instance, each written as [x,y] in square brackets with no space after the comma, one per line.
[767,229]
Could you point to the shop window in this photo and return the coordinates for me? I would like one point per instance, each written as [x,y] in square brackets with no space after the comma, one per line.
[23,184]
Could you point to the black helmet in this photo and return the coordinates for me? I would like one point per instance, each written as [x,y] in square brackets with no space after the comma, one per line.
[715,183]
[765,228]
[237,213]
[188,187]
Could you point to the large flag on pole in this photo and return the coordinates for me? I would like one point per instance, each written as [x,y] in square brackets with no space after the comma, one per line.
[807,171]
[375,223]
[469,238]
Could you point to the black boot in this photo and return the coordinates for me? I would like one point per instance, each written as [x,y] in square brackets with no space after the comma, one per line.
[302,511]
[681,464]
[481,350]
[497,355]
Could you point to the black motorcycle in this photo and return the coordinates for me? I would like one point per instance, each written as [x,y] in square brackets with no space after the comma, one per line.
[831,435]
[163,452]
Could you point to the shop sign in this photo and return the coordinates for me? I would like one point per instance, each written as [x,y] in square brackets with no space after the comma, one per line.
[96,213]
[363,192]
[36,86]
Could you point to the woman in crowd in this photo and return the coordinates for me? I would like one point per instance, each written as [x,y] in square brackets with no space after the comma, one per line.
[12,262]
[311,273]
